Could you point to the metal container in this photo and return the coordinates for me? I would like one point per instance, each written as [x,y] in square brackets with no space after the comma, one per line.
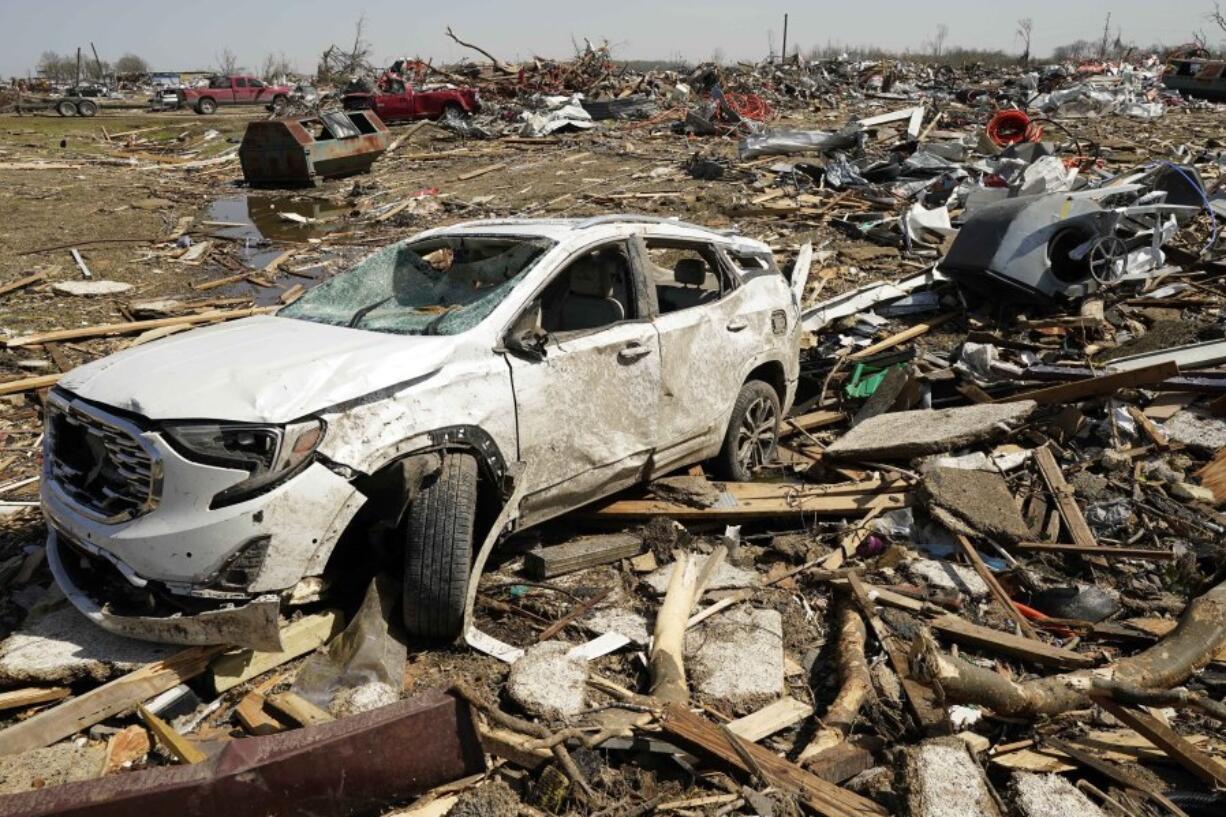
[302,150]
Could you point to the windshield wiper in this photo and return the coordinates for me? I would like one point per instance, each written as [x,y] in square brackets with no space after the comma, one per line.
[366,310]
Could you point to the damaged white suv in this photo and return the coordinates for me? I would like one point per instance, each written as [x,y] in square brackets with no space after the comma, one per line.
[195,486]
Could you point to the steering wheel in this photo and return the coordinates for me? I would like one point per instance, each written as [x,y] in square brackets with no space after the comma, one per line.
[1106,259]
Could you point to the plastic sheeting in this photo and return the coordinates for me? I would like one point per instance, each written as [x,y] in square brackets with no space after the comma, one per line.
[782,142]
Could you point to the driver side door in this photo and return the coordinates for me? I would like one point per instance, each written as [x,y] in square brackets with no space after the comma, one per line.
[587,410]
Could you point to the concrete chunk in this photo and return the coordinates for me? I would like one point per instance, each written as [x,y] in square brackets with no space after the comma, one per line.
[981,501]
[906,434]
[1050,795]
[548,682]
[725,576]
[90,288]
[943,780]
[737,656]
[944,575]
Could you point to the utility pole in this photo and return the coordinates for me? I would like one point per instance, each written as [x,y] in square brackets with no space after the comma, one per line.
[98,63]
[78,65]
[785,39]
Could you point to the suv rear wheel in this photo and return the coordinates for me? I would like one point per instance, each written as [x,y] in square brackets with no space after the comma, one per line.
[753,433]
[438,549]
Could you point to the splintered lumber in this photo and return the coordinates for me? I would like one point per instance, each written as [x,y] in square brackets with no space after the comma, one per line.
[997,591]
[1213,475]
[1100,386]
[811,422]
[298,638]
[581,554]
[577,612]
[921,699]
[112,698]
[753,500]
[770,719]
[183,749]
[1066,503]
[250,713]
[1168,740]
[20,283]
[298,709]
[17,698]
[472,174]
[1026,649]
[24,384]
[903,336]
[131,327]
[1152,554]
[685,588]
[827,799]
[1155,434]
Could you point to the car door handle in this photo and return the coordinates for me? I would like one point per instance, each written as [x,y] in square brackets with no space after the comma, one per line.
[632,352]
[736,325]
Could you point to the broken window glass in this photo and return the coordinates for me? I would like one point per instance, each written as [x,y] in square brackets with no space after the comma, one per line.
[440,286]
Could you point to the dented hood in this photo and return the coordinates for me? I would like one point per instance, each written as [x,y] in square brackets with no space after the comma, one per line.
[259,370]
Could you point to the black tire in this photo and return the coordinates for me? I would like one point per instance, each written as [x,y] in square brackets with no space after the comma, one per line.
[453,109]
[87,107]
[753,433]
[66,107]
[438,549]
[206,106]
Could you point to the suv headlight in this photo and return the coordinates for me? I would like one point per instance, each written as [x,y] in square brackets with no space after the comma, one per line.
[270,454]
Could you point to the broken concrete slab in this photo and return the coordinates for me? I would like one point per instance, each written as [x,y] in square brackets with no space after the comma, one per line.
[726,577]
[906,434]
[619,620]
[549,682]
[943,780]
[980,501]
[737,656]
[51,766]
[1050,795]
[61,646]
[944,575]
[90,288]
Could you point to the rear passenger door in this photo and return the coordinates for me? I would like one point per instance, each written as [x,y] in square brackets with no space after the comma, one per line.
[705,342]
[587,411]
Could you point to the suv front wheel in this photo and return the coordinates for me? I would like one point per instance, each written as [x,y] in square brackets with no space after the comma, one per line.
[438,549]
[753,433]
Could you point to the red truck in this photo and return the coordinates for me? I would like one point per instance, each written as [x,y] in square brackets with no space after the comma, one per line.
[234,90]
[398,102]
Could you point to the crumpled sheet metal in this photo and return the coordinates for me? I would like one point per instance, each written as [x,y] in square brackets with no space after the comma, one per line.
[339,768]
[782,142]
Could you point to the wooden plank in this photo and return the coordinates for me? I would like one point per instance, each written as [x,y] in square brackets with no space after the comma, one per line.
[24,384]
[580,554]
[576,612]
[770,719]
[132,327]
[299,638]
[921,699]
[183,749]
[1155,434]
[825,798]
[20,283]
[1168,740]
[1095,550]
[17,698]
[472,174]
[298,709]
[998,592]
[1098,386]
[1066,503]
[812,421]
[1026,649]
[1213,475]
[108,700]
[782,505]
[840,762]
[250,713]
[903,336]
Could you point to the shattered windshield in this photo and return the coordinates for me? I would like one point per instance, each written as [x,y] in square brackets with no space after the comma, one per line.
[440,286]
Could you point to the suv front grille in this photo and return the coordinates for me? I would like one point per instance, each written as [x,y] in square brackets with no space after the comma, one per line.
[99,463]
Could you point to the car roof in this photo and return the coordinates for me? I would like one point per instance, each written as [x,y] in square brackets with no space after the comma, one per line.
[563,229]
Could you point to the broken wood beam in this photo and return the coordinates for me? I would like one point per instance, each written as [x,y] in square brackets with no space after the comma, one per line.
[903,336]
[755,500]
[183,749]
[24,384]
[18,698]
[20,283]
[130,327]
[998,592]
[250,713]
[298,709]
[1025,649]
[1177,747]
[772,718]
[581,554]
[1066,503]
[1101,386]
[297,638]
[1152,554]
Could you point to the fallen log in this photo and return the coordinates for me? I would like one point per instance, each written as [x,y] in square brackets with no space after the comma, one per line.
[1196,639]
[685,587]
[856,685]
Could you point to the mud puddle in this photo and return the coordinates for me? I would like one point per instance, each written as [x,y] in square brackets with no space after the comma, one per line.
[257,219]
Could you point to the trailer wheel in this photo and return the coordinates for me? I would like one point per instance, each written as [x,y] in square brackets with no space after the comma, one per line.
[87,107]
[66,108]
[206,106]
[438,549]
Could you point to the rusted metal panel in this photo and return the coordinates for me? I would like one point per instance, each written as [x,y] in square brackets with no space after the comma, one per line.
[305,149]
[334,769]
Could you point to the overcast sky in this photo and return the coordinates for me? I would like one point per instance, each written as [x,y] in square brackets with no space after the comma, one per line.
[177,35]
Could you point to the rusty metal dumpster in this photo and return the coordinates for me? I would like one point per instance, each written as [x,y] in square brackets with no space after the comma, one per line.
[302,150]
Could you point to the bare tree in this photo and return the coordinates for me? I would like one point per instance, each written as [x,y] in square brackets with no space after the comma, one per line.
[1217,16]
[227,62]
[1024,28]
[936,45]
[335,63]
[275,67]
[1102,47]
[57,67]
[131,64]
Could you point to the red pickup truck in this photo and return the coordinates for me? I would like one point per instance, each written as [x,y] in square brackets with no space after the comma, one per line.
[397,102]
[234,90]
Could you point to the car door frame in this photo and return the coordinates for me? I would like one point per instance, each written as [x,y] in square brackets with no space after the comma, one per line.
[548,495]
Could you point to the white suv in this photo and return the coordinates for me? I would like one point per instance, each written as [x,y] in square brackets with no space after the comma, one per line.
[196,485]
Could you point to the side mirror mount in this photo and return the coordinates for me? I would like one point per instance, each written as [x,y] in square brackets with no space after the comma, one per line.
[526,338]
